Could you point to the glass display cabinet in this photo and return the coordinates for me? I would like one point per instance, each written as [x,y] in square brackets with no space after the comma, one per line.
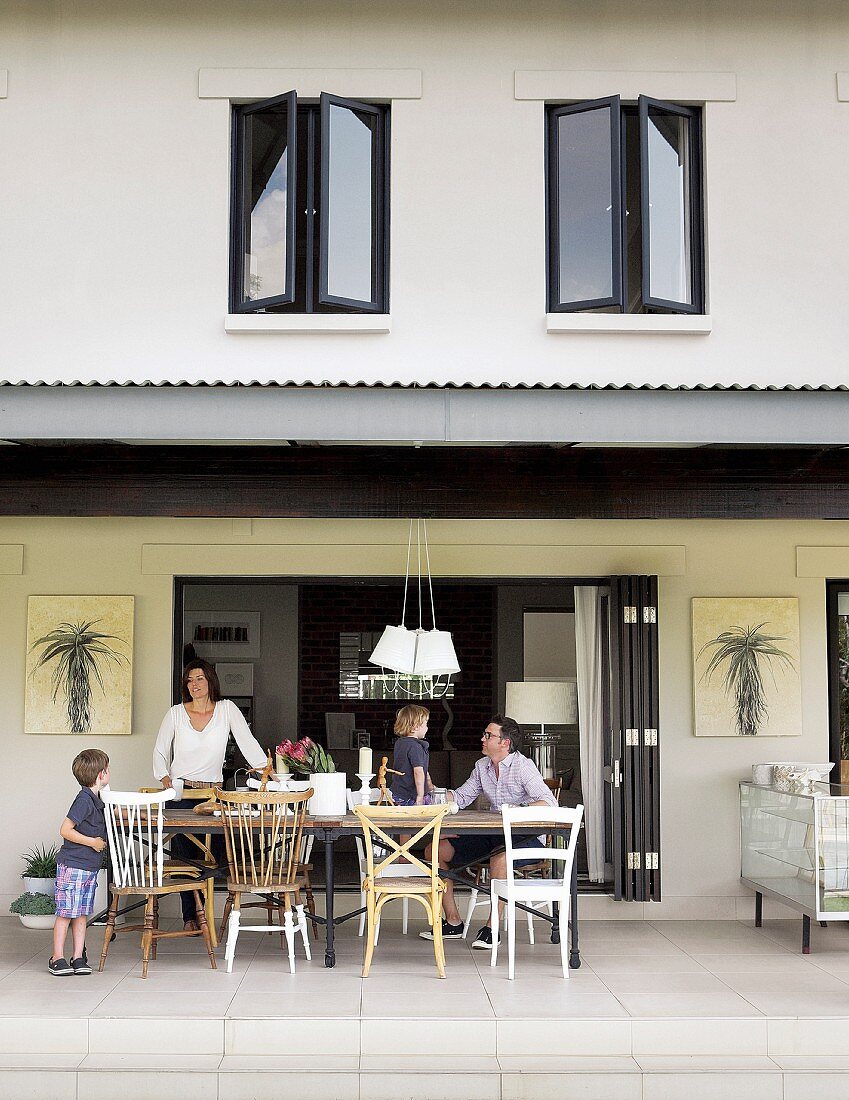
[795,848]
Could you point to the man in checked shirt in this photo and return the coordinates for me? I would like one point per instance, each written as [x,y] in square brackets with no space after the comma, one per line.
[506,778]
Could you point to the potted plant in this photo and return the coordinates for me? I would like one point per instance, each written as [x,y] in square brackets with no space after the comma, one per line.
[40,870]
[307,758]
[35,910]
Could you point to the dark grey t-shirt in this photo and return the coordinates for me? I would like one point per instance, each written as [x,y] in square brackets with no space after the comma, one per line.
[86,812]
[409,753]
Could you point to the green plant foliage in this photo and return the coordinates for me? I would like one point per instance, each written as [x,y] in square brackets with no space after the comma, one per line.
[78,652]
[33,905]
[40,862]
[742,649]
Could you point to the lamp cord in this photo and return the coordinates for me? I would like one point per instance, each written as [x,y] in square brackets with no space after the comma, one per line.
[407,577]
[429,577]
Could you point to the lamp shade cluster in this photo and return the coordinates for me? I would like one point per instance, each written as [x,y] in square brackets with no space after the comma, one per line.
[416,652]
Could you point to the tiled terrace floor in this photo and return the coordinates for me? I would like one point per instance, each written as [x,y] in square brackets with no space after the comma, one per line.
[658,1010]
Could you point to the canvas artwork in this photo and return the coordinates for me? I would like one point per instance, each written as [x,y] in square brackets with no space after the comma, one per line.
[746,678]
[79,666]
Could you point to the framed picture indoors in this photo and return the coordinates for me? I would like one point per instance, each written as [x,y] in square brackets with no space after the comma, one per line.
[235,678]
[223,635]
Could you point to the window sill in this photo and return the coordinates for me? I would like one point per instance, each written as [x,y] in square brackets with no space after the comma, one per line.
[687,324]
[308,322]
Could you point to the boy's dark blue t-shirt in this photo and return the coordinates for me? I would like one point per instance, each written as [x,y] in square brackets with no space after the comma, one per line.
[409,753]
[87,814]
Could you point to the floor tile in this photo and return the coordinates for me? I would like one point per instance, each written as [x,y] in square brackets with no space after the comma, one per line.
[31,1084]
[722,1037]
[150,1085]
[282,1063]
[811,1063]
[252,1037]
[801,1004]
[671,1063]
[440,1038]
[812,1037]
[162,1037]
[128,1004]
[273,1085]
[681,1006]
[656,984]
[426,1005]
[41,1061]
[388,1062]
[811,980]
[549,1038]
[524,1007]
[713,1086]
[295,1004]
[678,963]
[179,1063]
[753,964]
[576,1086]
[815,1086]
[432,1086]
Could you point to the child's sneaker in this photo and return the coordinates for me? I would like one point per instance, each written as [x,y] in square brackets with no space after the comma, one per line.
[60,968]
[80,965]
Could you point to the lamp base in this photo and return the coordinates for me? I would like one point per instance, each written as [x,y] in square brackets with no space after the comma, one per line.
[542,749]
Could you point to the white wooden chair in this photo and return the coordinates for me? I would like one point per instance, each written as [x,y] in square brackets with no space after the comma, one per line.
[264,836]
[134,830]
[535,891]
[394,870]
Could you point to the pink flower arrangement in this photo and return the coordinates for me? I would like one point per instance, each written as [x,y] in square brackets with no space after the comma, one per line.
[305,757]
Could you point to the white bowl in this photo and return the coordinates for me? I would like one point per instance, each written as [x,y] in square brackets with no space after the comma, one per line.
[822,770]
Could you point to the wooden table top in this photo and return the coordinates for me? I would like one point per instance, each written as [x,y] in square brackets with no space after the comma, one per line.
[466,821]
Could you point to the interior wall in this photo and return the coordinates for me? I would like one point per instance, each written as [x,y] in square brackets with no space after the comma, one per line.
[700,837]
[276,669]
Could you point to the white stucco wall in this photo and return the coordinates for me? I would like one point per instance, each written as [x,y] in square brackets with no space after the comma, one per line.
[699,776]
[114,179]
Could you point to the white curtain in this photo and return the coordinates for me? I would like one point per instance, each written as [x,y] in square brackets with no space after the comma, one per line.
[588,643]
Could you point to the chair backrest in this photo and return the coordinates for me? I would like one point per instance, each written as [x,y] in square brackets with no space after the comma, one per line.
[552,817]
[134,833]
[353,800]
[555,785]
[375,820]
[263,833]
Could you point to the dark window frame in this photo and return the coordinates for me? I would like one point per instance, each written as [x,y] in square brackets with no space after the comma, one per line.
[617,298]
[619,260]
[312,294]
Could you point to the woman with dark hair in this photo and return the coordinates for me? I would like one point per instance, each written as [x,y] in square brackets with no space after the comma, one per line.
[191,744]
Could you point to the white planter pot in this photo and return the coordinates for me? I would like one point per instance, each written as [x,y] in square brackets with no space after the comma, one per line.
[34,920]
[329,799]
[40,886]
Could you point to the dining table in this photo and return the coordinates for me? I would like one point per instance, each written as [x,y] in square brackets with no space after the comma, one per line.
[330,830]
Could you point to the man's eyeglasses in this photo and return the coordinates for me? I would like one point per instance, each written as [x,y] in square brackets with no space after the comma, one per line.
[486,736]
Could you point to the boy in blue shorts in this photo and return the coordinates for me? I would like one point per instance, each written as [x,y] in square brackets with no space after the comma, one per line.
[84,834]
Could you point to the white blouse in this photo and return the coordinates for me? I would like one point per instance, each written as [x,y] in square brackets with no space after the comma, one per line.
[183,752]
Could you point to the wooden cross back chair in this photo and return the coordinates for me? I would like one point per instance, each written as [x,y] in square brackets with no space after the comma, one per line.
[426,888]
[263,832]
[134,830]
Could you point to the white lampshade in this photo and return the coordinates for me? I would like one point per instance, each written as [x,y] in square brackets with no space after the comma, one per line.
[396,650]
[435,655]
[543,703]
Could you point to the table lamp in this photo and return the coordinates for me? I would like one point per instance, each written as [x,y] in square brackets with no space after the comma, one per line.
[541,703]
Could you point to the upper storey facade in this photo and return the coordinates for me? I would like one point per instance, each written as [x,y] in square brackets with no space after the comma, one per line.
[474,194]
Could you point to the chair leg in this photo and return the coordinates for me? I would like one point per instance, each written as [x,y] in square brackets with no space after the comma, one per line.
[299,905]
[228,905]
[209,902]
[530,927]
[289,930]
[363,914]
[303,928]
[563,925]
[511,939]
[281,917]
[109,931]
[203,924]
[494,924]
[438,945]
[405,912]
[232,934]
[473,901]
[147,934]
[371,923]
[311,905]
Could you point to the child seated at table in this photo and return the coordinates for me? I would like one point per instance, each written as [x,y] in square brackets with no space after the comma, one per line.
[413,786]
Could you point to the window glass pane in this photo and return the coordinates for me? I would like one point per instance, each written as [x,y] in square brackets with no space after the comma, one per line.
[584,206]
[669,207]
[266,160]
[349,204]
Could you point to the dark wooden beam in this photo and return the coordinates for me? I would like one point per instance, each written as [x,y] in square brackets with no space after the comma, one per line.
[445,482]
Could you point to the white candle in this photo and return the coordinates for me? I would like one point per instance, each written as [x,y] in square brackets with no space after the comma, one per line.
[365,767]
[282,768]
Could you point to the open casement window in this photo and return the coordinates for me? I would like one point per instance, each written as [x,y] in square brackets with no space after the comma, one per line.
[310,206]
[584,207]
[624,207]
[633,774]
[670,186]
[263,215]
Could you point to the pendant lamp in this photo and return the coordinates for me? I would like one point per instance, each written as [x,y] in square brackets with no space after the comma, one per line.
[428,654]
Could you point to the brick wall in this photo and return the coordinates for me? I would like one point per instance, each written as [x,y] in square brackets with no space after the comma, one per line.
[326,609]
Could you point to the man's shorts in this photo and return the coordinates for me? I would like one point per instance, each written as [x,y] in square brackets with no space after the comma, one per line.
[74,891]
[475,847]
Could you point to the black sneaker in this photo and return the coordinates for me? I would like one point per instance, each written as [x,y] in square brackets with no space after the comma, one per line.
[449,931]
[60,968]
[80,965]
[483,940]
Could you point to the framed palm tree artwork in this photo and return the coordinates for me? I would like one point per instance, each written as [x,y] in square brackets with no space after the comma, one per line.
[746,678]
[79,668]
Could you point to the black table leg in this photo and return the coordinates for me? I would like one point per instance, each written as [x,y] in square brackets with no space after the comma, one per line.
[759,909]
[574,953]
[806,935]
[329,951]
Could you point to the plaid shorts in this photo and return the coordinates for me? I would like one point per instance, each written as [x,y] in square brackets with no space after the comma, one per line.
[74,891]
